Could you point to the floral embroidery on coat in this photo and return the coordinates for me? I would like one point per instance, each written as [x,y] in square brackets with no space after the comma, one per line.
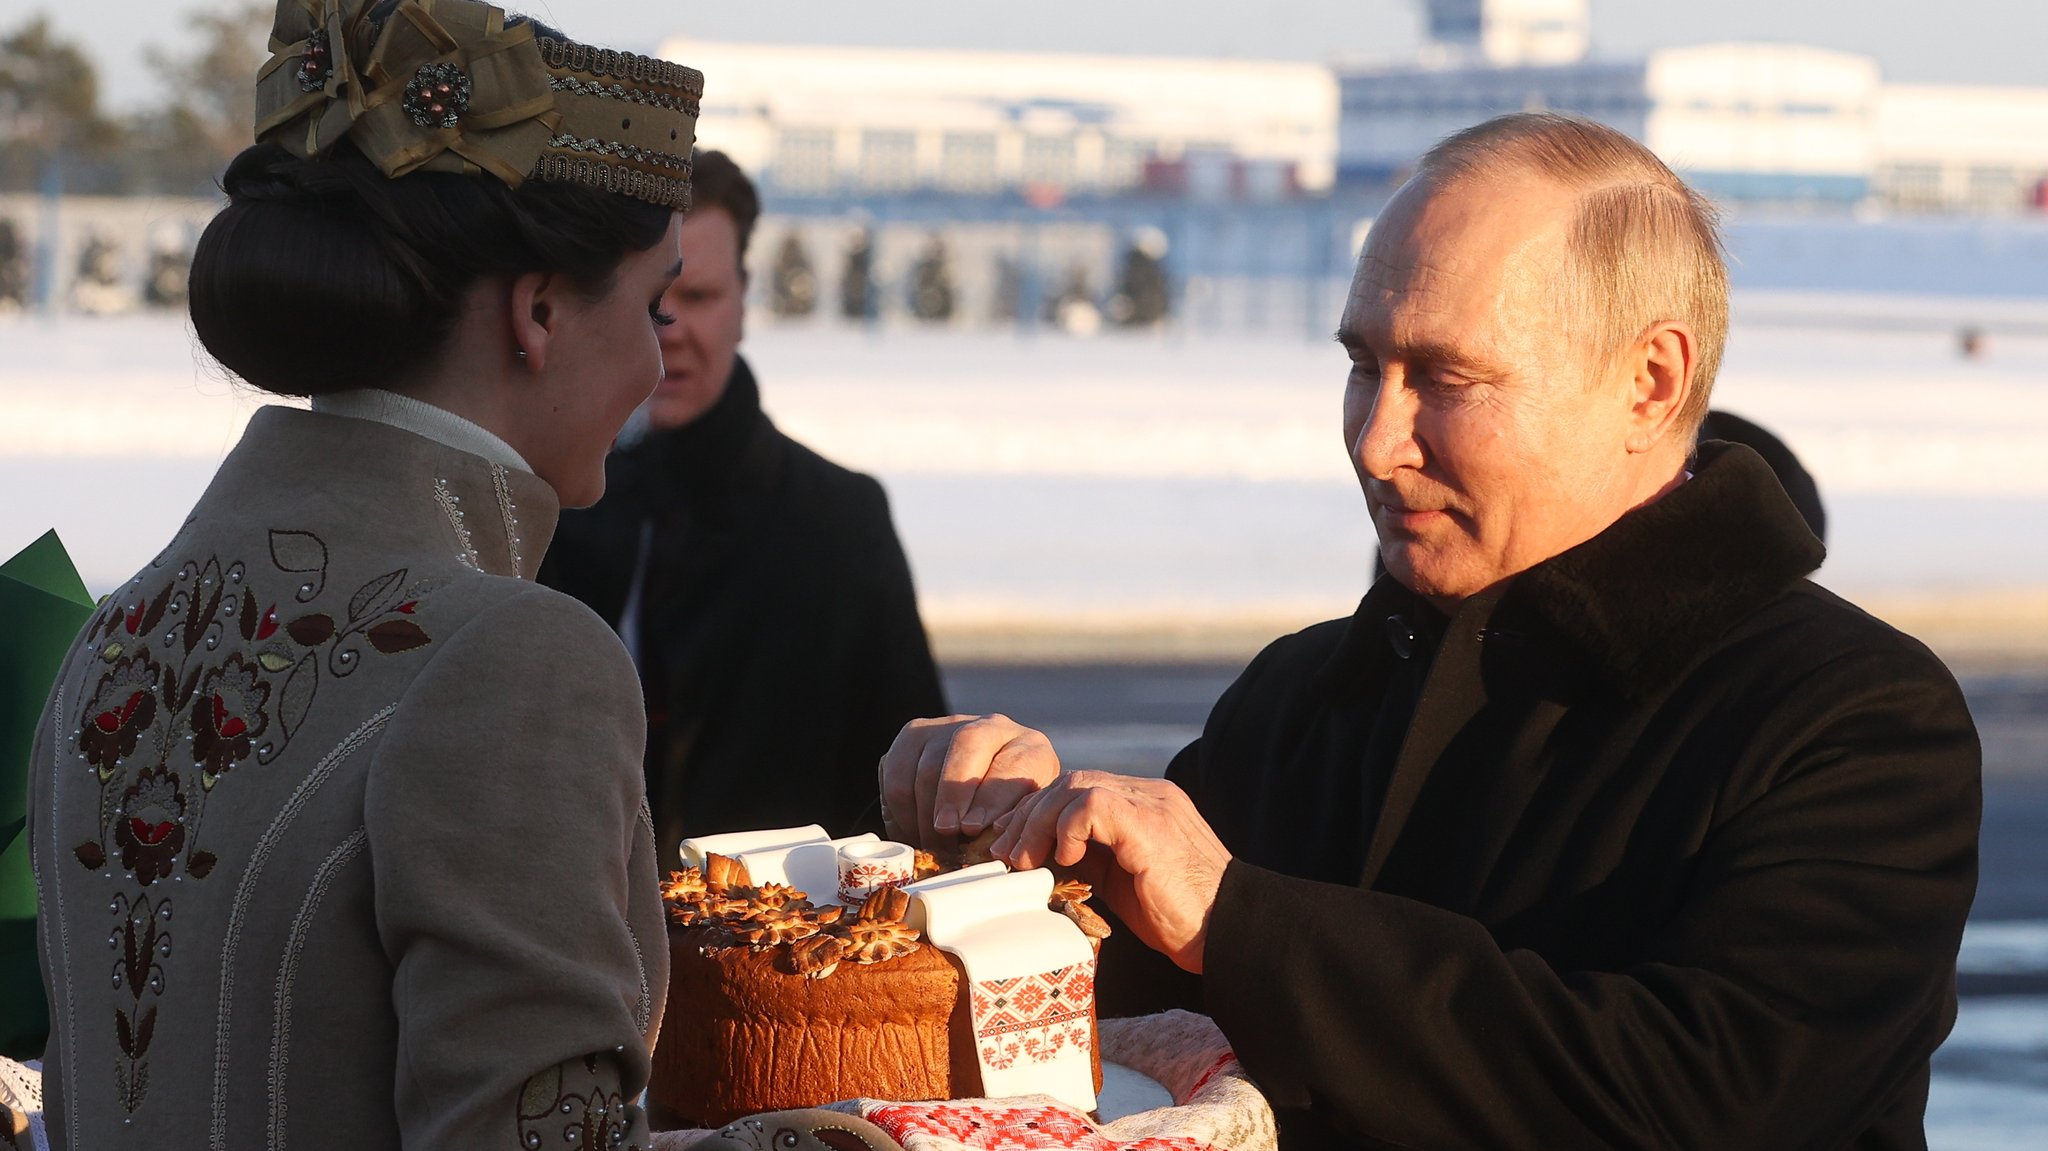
[202,679]
[227,716]
[153,831]
[143,940]
[120,710]
[553,1112]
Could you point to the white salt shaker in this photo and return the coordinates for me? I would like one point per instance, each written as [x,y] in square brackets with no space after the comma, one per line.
[865,868]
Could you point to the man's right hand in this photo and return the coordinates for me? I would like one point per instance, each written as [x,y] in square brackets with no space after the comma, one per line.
[949,778]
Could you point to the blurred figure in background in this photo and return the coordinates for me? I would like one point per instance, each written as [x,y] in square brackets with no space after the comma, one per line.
[931,284]
[1142,298]
[13,269]
[97,289]
[1792,475]
[1072,309]
[857,278]
[752,579]
[793,288]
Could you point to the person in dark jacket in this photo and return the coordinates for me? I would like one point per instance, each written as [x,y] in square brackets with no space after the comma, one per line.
[1791,474]
[760,587]
[1597,824]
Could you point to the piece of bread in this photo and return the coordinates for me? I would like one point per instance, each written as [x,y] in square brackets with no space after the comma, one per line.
[775,1004]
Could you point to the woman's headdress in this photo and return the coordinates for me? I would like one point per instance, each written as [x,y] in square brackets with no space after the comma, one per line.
[447,86]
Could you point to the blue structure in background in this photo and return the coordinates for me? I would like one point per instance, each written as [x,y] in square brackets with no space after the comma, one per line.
[1297,247]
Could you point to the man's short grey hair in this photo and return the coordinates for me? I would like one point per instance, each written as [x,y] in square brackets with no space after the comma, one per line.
[1645,248]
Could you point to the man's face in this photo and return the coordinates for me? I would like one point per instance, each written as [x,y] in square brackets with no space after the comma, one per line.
[708,302]
[1485,442]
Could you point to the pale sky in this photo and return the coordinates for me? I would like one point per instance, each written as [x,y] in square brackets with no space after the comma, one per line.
[1943,41]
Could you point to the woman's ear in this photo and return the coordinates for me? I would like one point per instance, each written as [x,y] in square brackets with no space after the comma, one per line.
[532,310]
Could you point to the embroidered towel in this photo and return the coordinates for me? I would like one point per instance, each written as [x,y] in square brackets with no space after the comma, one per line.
[1216,1107]
[1031,980]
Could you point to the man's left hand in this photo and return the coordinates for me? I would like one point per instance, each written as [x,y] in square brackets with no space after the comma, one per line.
[1163,864]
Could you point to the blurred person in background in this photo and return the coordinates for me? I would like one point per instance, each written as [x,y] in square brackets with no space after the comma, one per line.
[753,580]
[1792,475]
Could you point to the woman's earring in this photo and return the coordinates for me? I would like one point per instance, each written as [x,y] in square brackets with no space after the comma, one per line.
[521,353]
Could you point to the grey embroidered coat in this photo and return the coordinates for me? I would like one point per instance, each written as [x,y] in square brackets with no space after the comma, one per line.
[339,826]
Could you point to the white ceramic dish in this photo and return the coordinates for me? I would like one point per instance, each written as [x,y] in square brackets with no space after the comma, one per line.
[1127,1092]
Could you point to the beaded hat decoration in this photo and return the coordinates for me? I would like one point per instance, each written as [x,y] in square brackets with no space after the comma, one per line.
[447,86]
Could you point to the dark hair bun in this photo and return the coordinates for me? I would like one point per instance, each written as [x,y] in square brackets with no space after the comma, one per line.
[322,275]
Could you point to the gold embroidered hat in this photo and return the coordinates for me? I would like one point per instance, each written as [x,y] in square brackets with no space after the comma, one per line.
[447,86]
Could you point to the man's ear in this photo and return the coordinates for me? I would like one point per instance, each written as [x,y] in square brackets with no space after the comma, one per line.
[1662,366]
[533,309]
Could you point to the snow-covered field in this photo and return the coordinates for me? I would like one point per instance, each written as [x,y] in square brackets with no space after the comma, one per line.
[1147,480]
[1990,1090]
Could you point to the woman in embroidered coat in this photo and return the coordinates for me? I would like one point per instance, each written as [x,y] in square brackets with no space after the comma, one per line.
[338,819]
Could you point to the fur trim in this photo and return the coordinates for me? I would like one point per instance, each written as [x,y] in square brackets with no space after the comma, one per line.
[1645,598]
[1636,604]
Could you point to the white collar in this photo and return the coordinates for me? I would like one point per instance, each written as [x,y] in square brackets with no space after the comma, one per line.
[422,419]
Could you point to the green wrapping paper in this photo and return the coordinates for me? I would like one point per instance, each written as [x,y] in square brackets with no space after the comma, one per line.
[43,604]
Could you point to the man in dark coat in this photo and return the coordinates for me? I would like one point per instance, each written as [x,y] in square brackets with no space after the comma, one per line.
[1597,824]
[760,587]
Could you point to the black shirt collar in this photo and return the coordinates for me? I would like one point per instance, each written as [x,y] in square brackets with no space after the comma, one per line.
[709,448]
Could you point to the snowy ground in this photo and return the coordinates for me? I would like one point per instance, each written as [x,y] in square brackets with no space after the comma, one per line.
[1990,1090]
[1150,479]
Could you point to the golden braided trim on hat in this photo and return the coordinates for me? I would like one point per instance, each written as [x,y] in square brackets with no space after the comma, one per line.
[446,85]
[618,128]
[645,71]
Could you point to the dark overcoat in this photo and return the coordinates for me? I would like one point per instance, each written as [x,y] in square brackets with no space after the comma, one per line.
[779,640]
[1675,852]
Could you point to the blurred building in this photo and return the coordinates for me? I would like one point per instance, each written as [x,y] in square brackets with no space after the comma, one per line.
[1748,123]
[823,120]
[1968,149]
[1741,121]
[97,254]
[1511,32]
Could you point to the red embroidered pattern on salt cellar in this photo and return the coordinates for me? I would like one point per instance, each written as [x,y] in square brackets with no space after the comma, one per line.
[870,875]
